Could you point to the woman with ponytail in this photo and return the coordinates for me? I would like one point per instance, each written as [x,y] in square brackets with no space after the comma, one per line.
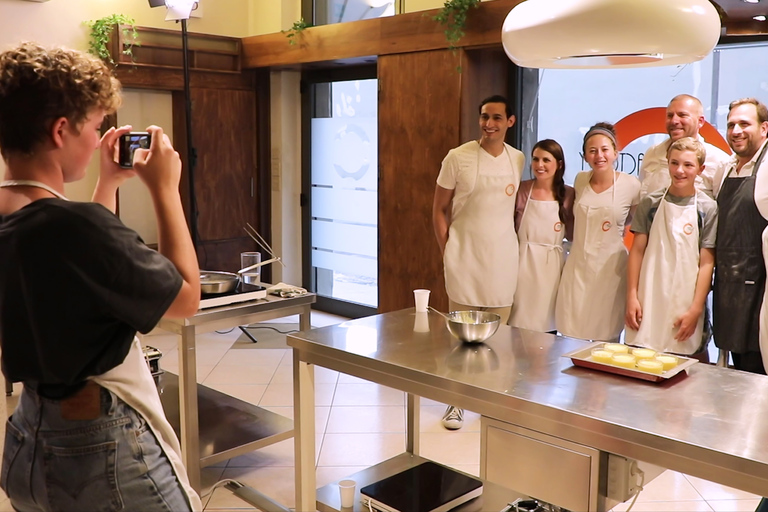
[543,217]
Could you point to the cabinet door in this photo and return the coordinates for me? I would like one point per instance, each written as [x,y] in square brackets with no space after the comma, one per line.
[224,136]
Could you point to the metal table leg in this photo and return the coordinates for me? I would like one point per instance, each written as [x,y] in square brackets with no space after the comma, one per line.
[188,411]
[412,420]
[304,432]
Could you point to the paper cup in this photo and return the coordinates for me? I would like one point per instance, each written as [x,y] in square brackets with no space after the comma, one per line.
[347,490]
[421,298]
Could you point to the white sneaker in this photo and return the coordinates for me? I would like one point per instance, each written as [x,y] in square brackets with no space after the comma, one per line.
[453,419]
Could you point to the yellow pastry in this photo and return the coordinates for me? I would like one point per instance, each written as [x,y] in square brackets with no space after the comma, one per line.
[602,356]
[650,366]
[618,348]
[644,353]
[667,360]
[624,360]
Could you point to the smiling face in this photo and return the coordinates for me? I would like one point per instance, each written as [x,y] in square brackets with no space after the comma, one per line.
[544,165]
[745,133]
[494,123]
[683,168]
[684,118]
[600,153]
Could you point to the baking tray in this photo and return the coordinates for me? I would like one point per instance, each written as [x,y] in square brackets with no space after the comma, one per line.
[583,357]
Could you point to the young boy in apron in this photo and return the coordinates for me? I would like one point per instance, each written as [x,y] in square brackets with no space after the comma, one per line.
[670,266]
[76,285]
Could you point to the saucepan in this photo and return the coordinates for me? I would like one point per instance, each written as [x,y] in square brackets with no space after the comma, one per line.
[212,282]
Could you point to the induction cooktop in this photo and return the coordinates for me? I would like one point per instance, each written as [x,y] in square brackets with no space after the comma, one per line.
[243,293]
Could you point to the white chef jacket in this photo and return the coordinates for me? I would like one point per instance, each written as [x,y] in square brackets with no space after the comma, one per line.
[655,160]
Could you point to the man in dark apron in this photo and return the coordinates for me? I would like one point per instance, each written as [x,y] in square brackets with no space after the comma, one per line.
[740,272]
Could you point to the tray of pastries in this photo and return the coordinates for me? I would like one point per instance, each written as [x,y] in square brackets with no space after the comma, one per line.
[640,363]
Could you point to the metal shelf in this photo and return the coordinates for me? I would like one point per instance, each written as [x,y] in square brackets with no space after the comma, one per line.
[494,497]
[228,426]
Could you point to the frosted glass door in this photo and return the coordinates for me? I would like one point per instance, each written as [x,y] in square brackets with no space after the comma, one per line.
[344,201]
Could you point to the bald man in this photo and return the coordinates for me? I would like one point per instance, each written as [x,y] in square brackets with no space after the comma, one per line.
[685,117]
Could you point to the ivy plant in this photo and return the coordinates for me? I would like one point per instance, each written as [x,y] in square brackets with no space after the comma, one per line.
[295,30]
[101,30]
[453,16]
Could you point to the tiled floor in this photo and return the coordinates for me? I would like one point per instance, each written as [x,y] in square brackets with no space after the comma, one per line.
[359,424]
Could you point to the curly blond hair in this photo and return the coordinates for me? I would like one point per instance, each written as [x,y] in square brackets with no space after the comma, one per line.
[39,85]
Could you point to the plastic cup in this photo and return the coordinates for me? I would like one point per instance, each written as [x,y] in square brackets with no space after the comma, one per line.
[347,491]
[246,260]
[421,298]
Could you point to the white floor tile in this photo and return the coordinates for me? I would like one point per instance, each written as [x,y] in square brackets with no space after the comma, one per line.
[275,482]
[669,486]
[734,505]
[359,419]
[234,374]
[712,491]
[360,449]
[451,448]
[367,394]
[665,506]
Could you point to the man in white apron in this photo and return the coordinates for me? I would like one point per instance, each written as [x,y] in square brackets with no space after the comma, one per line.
[473,215]
[669,271]
[76,285]
[740,271]
[685,117]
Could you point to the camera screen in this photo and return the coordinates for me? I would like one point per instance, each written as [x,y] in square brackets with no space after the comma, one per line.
[129,143]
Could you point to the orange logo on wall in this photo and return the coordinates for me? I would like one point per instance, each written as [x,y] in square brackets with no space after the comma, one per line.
[654,120]
[688,229]
[558,227]
[606,225]
[510,190]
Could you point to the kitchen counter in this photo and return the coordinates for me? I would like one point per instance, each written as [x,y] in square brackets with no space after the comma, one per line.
[709,423]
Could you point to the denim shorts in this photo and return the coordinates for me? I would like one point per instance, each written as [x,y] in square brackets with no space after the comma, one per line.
[110,463]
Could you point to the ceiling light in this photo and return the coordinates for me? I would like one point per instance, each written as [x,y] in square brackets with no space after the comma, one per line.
[750,1]
[609,33]
[759,18]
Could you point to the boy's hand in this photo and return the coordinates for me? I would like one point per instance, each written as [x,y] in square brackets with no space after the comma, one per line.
[110,171]
[686,324]
[634,313]
[159,167]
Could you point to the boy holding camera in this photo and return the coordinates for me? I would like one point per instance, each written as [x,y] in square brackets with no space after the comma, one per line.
[670,265]
[76,285]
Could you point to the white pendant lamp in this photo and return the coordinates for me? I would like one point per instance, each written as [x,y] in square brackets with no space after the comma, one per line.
[609,33]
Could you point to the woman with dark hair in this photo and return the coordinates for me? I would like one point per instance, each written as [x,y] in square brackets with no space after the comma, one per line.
[543,216]
[593,288]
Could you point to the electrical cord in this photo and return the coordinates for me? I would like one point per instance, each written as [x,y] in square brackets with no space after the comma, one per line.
[635,471]
[268,327]
[225,332]
[215,486]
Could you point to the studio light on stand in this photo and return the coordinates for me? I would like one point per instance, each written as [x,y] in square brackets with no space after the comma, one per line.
[609,33]
[180,11]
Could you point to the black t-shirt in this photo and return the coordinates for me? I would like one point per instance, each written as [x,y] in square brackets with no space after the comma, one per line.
[75,286]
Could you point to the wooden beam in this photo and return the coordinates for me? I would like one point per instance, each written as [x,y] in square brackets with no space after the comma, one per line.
[171,79]
[403,33]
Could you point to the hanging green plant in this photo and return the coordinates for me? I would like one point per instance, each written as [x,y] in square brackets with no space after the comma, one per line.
[297,28]
[101,30]
[453,16]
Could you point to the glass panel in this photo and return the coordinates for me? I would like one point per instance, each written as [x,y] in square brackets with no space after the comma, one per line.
[570,101]
[344,191]
[743,74]
[339,11]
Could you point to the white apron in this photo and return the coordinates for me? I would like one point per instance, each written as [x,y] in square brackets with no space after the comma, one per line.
[593,288]
[668,278]
[132,382]
[481,255]
[541,261]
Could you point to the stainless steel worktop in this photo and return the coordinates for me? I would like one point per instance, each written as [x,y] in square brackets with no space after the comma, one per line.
[711,423]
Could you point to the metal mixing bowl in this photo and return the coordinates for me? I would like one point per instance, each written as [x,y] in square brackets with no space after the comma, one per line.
[473,326]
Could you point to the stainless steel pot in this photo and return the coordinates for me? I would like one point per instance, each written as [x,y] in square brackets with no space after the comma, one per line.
[218,282]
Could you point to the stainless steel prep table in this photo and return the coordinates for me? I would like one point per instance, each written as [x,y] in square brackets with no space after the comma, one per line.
[710,423]
[234,433]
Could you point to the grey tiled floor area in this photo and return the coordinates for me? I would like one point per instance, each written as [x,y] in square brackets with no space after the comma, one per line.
[360,424]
